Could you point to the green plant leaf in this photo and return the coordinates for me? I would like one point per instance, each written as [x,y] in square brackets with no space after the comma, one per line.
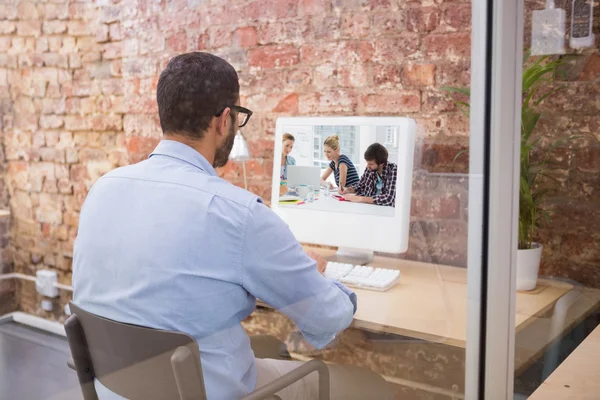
[465,91]
[459,154]
[545,96]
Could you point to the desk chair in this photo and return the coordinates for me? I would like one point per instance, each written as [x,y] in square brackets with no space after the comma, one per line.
[137,362]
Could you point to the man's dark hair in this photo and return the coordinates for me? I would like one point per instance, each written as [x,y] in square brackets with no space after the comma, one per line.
[376,152]
[192,89]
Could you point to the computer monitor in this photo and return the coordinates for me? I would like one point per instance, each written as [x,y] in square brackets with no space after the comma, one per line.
[303,175]
[325,218]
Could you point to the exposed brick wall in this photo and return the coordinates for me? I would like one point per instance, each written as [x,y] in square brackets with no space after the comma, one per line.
[61,95]
[78,83]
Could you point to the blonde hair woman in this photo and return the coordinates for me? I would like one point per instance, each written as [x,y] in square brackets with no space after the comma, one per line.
[343,169]
[287,147]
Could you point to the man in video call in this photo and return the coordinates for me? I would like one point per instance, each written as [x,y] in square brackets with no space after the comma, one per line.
[378,182]
[167,244]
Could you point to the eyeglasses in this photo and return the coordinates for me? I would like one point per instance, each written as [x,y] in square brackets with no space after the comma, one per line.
[243,114]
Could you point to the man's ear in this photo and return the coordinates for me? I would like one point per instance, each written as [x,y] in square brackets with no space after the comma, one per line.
[223,122]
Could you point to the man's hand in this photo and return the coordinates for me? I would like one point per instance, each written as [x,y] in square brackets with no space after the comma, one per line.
[321,262]
[353,198]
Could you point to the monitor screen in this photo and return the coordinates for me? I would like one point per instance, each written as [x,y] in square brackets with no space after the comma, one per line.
[345,181]
[327,169]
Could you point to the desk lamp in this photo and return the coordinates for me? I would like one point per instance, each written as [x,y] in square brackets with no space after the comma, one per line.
[240,152]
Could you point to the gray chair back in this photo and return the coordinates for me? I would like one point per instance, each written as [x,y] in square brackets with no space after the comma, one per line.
[133,361]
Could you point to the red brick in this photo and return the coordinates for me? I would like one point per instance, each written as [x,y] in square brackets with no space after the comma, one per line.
[220,36]
[153,42]
[313,7]
[457,124]
[141,125]
[282,32]
[366,51]
[110,14]
[77,123]
[177,43]
[325,28]
[140,67]
[78,28]
[592,69]
[458,17]
[299,77]
[111,51]
[588,159]
[139,148]
[336,52]
[112,86]
[441,157]
[102,33]
[116,68]
[115,32]
[422,19]
[52,154]
[387,75]
[79,10]
[353,75]
[399,102]
[436,102]
[245,37]
[86,88]
[265,9]
[392,50]
[91,154]
[56,11]
[7,27]
[288,105]
[202,42]
[451,47]
[332,101]
[356,25]
[51,122]
[454,74]
[419,75]
[387,23]
[273,56]
[325,75]
[29,28]
[106,123]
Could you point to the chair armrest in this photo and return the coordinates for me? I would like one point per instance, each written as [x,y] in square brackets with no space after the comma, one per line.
[294,376]
[71,364]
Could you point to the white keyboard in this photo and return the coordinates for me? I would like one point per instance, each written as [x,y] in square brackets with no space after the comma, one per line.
[363,277]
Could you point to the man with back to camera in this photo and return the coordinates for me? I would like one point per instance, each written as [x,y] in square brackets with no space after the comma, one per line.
[378,183]
[167,244]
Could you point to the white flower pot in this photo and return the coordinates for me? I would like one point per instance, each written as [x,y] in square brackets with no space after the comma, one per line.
[528,267]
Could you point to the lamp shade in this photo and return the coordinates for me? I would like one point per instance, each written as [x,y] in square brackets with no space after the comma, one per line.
[240,151]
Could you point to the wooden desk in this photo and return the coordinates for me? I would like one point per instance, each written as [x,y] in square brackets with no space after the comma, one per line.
[430,302]
[577,377]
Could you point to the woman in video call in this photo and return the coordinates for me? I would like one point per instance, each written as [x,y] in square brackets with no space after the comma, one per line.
[286,159]
[344,171]
[378,183]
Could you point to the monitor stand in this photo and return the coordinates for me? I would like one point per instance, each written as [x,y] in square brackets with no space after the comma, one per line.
[352,256]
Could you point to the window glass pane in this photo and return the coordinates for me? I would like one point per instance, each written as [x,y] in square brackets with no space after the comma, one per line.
[554,346]
[79,90]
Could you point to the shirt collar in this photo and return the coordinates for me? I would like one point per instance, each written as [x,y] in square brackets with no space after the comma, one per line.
[183,152]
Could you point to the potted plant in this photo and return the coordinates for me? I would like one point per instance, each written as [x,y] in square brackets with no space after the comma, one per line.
[534,164]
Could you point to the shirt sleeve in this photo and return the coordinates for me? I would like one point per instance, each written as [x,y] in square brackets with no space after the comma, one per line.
[360,188]
[291,160]
[276,270]
[388,193]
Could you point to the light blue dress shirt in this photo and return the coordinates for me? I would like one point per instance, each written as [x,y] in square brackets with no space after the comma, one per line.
[167,244]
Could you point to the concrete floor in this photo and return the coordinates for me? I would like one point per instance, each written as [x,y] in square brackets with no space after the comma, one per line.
[33,365]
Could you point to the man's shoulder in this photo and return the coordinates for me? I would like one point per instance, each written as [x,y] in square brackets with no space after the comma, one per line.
[189,179]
